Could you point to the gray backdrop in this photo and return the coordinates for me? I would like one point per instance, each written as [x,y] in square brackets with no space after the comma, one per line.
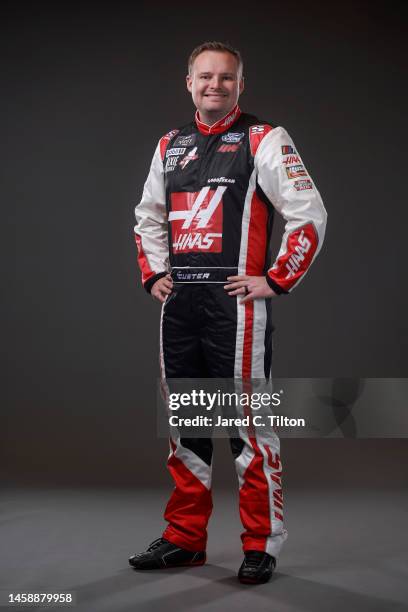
[87,93]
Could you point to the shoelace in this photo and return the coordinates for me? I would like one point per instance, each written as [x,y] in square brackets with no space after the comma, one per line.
[155,544]
[253,559]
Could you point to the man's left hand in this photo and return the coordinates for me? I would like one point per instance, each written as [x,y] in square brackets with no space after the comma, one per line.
[252,287]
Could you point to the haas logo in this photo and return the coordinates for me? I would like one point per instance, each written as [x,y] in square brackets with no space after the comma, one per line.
[298,256]
[196,220]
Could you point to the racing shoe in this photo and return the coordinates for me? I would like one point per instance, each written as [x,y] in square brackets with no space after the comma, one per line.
[162,554]
[257,567]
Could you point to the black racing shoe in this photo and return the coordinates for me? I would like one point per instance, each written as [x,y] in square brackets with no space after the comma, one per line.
[257,567]
[162,554]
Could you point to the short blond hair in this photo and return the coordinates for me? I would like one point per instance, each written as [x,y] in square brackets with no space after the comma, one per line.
[215,46]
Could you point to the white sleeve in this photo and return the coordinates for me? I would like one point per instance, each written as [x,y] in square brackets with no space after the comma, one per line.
[285,181]
[151,231]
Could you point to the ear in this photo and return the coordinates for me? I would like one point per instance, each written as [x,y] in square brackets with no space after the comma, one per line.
[241,85]
[189,83]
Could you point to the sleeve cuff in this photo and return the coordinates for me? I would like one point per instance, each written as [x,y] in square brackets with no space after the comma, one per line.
[150,281]
[276,288]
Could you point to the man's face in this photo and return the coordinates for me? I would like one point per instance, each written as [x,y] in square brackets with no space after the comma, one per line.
[215,84]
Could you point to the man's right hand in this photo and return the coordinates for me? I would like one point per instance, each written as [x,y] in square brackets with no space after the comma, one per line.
[162,288]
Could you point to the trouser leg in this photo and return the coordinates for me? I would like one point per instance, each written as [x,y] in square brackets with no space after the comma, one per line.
[223,339]
[259,470]
[189,507]
[256,450]
[190,459]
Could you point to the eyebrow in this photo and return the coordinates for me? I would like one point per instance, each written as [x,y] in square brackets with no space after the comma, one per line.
[221,73]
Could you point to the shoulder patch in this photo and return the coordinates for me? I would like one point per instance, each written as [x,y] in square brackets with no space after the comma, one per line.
[256,134]
[164,142]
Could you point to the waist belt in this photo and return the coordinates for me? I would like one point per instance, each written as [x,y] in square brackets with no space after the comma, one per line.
[202,275]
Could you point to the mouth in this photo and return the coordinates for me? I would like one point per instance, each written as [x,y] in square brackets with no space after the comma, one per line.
[215,95]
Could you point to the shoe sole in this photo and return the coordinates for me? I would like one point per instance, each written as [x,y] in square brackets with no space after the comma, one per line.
[195,564]
[249,581]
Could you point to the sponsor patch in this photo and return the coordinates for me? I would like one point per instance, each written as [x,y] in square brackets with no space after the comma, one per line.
[292,159]
[221,179]
[232,137]
[170,135]
[257,129]
[171,163]
[300,249]
[196,220]
[175,151]
[303,184]
[228,148]
[164,141]
[295,171]
[229,119]
[185,141]
[288,150]
[191,155]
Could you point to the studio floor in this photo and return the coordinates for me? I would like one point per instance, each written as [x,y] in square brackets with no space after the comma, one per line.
[347,550]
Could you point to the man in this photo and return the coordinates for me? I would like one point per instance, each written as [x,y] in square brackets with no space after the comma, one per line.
[203,231]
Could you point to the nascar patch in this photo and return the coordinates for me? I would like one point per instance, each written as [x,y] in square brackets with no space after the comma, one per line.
[232,137]
[185,141]
[303,184]
[288,150]
[295,171]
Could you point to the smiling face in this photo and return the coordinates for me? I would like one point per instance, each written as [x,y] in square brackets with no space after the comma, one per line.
[215,84]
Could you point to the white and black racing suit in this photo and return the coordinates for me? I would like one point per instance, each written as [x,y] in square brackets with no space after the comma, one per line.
[207,213]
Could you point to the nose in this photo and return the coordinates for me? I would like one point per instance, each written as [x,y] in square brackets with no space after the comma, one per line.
[215,82]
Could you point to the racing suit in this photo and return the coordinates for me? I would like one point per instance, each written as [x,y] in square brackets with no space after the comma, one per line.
[207,213]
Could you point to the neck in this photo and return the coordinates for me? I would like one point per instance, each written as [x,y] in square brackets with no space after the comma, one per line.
[211,118]
[214,123]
